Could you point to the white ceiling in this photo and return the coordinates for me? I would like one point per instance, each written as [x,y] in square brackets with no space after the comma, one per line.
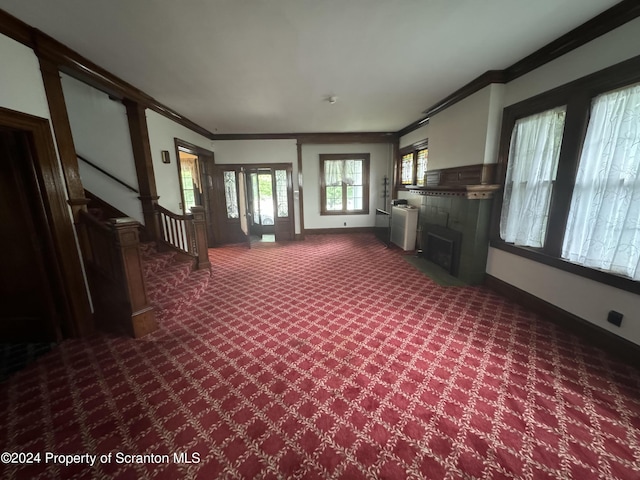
[267,66]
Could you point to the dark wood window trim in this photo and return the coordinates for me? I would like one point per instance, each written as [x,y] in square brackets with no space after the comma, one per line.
[577,96]
[411,149]
[365,157]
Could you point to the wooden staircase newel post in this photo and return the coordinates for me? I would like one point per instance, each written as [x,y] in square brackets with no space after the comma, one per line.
[143,319]
[200,233]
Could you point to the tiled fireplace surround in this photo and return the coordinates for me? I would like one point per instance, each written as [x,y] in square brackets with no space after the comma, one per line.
[456,205]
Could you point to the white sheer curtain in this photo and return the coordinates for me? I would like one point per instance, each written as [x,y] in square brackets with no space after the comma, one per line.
[531,171]
[333,177]
[333,172]
[603,229]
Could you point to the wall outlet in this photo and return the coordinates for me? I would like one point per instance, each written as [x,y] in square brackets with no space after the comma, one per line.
[615,318]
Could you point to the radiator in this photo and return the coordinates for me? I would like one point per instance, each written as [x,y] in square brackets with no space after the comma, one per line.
[404,222]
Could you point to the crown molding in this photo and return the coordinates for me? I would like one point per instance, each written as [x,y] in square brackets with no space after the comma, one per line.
[599,25]
[317,138]
[605,22]
[77,66]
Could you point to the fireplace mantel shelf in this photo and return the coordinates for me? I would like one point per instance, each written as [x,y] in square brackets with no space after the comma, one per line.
[471,192]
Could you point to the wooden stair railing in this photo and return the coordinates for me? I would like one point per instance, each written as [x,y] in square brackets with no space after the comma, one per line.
[113,264]
[185,233]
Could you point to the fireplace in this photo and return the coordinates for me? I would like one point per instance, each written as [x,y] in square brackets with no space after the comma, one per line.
[441,246]
[455,211]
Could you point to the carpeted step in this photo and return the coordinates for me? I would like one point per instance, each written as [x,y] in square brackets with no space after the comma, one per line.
[171,275]
[156,262]
[172,300]
[148,249]
[170,281]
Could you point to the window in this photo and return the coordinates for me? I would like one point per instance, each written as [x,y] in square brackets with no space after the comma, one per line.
[603,230]
[406,177]
[571,165]
[412,167]
[531,173]
[344,185]
[421,167]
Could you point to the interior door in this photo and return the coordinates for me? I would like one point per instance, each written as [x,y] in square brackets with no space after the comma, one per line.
[226,205]
[283,197]
[243,205]
[261,201]
[27,283]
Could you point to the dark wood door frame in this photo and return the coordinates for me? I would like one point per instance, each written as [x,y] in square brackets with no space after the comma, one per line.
[206,160]
[76,320]
[29,300]
[288,167]
[227,230]
[256,226]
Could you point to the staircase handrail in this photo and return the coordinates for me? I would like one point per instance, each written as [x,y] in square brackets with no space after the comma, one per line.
[185,233]
[111,176]
[177,216]
[177,230]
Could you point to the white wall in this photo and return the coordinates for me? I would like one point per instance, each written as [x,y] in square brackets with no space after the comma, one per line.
[256,151]
[494,122]
[22,90]
[614,47]
[466,133]
[162,134]
[21,83]
[585,298]
[380,165]
[240,152]
[457,135]
[416,136]
[101,134]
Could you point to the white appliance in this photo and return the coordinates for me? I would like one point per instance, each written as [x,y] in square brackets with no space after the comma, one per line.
[404,223]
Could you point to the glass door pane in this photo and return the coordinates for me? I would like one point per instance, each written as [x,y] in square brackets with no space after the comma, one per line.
[282,201]
[231,193]
[265,190]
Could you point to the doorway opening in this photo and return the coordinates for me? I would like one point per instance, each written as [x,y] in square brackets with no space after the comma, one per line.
[190,180]
[34,315]
[253,203]
[262,205]
[195,170]
[270,206]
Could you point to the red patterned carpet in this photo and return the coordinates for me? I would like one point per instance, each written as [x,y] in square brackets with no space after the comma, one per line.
[329,358]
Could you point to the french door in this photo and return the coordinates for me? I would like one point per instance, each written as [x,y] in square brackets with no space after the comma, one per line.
[227,196]
[270,191]
[251,200]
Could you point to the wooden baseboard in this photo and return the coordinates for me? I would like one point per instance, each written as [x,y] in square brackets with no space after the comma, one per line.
[299,236]
[322,231]
[614,344]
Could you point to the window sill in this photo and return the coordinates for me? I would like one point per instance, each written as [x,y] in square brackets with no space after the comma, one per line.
[599,276]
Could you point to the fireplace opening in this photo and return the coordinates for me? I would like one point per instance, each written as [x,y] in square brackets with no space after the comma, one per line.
[441,246]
